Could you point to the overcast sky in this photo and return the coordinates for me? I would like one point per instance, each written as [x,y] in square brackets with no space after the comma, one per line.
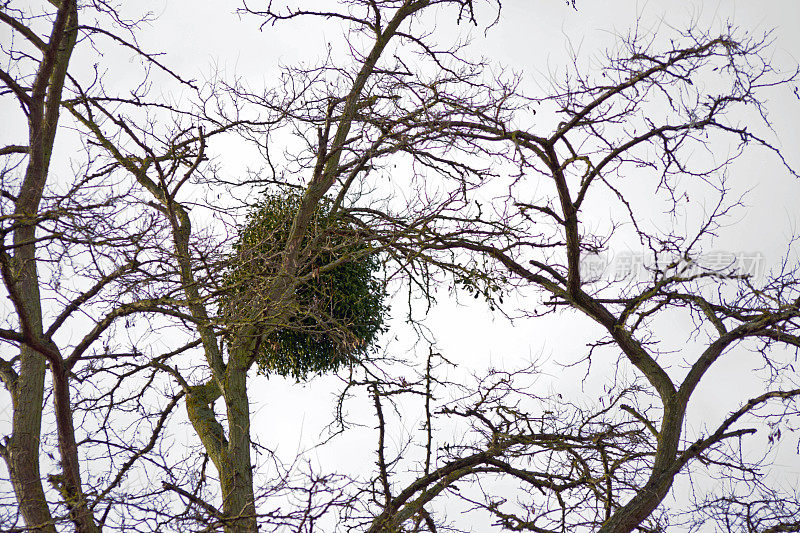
[534,37]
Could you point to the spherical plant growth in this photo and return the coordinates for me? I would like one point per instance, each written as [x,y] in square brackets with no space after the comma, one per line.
[338,305]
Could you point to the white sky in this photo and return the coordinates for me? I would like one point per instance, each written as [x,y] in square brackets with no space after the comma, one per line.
[534,37]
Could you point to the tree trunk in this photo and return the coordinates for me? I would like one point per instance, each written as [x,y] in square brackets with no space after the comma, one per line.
[22,280]
[237,481]
[649,497]
[22,449]
[231,455]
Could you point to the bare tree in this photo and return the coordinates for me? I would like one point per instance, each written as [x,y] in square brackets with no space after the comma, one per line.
[610,468]
[401,141]
[39,94]
[351,118]
[74,264]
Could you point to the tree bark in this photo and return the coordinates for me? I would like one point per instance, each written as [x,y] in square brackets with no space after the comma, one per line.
[237,482]
[22,450]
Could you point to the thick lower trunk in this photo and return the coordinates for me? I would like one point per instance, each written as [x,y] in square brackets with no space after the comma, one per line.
[237,483]
[230,454]
[650,496]
[641,506]
[22,454]
[22,450]
[238,505]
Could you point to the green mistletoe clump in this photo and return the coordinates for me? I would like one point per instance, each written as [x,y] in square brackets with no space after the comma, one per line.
[338,301]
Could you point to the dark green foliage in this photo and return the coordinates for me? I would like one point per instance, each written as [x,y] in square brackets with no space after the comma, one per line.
[338,304]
